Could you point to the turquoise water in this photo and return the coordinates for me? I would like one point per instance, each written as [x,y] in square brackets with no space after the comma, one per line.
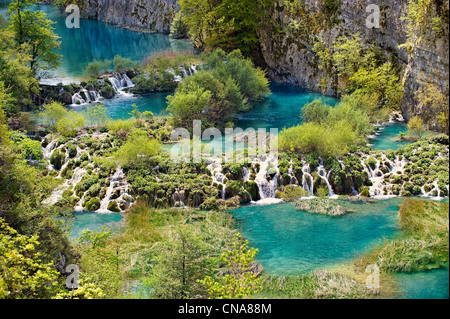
[280,109]
[292,242]
[98,40]
[432,284]
[387,137]
[88,220]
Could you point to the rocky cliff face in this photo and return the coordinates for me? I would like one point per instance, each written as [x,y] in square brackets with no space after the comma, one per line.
[428,64]
[153,15]
[288,37]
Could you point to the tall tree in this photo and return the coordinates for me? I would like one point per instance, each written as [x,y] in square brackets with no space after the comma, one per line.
[34,33]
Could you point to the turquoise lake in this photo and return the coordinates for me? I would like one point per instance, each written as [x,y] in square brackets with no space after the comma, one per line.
[386,140]
[88,220]
[293,242]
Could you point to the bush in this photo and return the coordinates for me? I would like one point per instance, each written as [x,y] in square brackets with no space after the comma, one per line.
[92,205]
[95,68]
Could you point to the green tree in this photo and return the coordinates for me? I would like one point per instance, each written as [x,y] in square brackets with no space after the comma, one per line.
[228,24]
[52,113]
[23,275]
[179,28]
[181,262]
[138,148]
[122,64]
[16,74]
[432,99]
[416,127]
[95,68]
[34,33]
[241,282]
[97,115]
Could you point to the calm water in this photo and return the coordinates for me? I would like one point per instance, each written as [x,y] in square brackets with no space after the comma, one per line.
[88,220]
[386,140]
[432,284]
[100,41]
[292,242]
[289,241]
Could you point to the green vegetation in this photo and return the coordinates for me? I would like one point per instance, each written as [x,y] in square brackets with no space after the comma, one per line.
[361,69]
[330,131]
[96,68]
[34,33]
[226,24]
[122,64]
[423,244]
[227,84]
[316,285]
[242,282]
[416,127]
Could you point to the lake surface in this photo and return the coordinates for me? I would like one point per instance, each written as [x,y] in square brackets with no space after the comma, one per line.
[98,40]
[387,137]
[293,242]
[88,220]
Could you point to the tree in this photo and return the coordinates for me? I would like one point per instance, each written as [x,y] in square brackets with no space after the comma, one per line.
[15,74]
[241,282]
[227,24]
[52,113]
[122,64]
[139,147]
[22,272]
[95,68]
[97,115]
[317,111]
[431,98]
[416,127]
[34,34]
[180,264]
[179,28]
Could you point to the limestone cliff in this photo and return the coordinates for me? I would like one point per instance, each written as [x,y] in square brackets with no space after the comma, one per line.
[288,37]
[152,15]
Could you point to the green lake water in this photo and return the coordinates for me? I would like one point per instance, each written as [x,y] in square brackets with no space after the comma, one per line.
[293,242]
[88,220]
[386,140]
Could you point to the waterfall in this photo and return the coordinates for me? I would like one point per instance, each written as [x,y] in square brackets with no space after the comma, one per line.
[178,198]
[267,189]
[307,172]
[121,82]
[216,172]
[117,183]
[48,151]
[323,174]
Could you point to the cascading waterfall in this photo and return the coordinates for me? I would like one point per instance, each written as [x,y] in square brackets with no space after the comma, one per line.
[267,189]
[307,174]
[216,172]
[117,183]
[120,82]
[323,174]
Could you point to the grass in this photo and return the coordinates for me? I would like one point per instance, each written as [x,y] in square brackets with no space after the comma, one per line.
[169,59]
[423,245]
[316,285]
[147,228]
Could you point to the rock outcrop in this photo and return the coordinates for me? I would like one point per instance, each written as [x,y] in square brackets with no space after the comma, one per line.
[151,15]
[288,37]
